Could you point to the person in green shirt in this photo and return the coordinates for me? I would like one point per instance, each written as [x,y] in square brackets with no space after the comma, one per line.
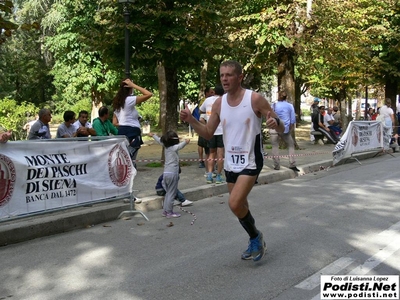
[102,124]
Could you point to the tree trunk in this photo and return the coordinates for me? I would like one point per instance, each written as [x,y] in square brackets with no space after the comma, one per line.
[349,117]
[162,87]
[203,81]
[358,110]
[97,102]
[169,101]
[391,90]
[286,83]
[286,73]
[172,116]
[297,100]
[391,86]
[341,97]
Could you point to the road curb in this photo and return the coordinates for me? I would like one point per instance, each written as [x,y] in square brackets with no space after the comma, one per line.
[23,229]
[32,227]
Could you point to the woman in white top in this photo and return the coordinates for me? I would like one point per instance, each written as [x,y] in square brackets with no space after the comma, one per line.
[124,104]
[387,112]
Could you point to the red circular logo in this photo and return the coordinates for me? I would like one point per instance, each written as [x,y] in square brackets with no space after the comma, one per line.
[7,179]
[119,166]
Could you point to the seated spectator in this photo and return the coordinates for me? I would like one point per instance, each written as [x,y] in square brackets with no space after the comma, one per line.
[179,196]
[40,129]
[329,121]
[375,114]
[67,129]
[336,115]
[83,127]
[369,114]
[318,123]
[28,125]
[314,112]
[102,124]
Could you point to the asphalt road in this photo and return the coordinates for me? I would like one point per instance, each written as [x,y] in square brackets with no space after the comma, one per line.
[341,221]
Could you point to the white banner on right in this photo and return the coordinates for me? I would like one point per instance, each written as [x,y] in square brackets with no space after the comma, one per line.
[362,136]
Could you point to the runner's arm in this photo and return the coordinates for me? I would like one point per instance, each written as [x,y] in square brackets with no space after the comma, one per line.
[262,107]
[205,130]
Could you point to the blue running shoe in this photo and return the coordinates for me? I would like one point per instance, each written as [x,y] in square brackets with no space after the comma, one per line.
[246,255]
[209,178]
[218,179]
[256,249]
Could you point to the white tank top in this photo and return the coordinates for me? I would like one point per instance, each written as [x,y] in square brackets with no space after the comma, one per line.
[128,115]
[241,135]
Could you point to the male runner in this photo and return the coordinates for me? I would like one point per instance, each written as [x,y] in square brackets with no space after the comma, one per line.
[239,111]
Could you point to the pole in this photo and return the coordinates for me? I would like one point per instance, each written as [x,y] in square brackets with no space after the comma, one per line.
[127,46]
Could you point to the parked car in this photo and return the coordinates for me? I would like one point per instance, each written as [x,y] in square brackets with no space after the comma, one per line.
[361,102]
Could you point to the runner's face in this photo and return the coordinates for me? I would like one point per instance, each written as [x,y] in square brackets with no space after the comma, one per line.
[230,80]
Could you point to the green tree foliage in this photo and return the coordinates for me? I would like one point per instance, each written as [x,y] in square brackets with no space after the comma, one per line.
[178,32]
[384,34]
[343,45]
[6,26]
[23,69]
[351,42]
[175,36]
[80,70]
[337,45]
[382,26]
[189,81]
[14,116]
[150,110]
[8,22]
[23,65]
[264,28]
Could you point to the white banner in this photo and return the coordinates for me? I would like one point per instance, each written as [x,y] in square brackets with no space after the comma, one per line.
[362,136]
[41,175]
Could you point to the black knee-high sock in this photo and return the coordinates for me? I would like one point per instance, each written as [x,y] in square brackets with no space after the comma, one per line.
[248,224]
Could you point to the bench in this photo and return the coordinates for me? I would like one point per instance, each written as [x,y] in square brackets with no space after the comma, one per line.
[318,136]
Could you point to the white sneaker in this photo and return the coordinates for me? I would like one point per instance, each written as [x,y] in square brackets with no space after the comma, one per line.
[135,200]
[186,203]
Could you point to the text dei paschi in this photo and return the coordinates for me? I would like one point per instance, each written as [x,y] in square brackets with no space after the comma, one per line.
[51,176]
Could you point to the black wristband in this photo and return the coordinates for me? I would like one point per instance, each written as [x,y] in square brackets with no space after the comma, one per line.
[278,121]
